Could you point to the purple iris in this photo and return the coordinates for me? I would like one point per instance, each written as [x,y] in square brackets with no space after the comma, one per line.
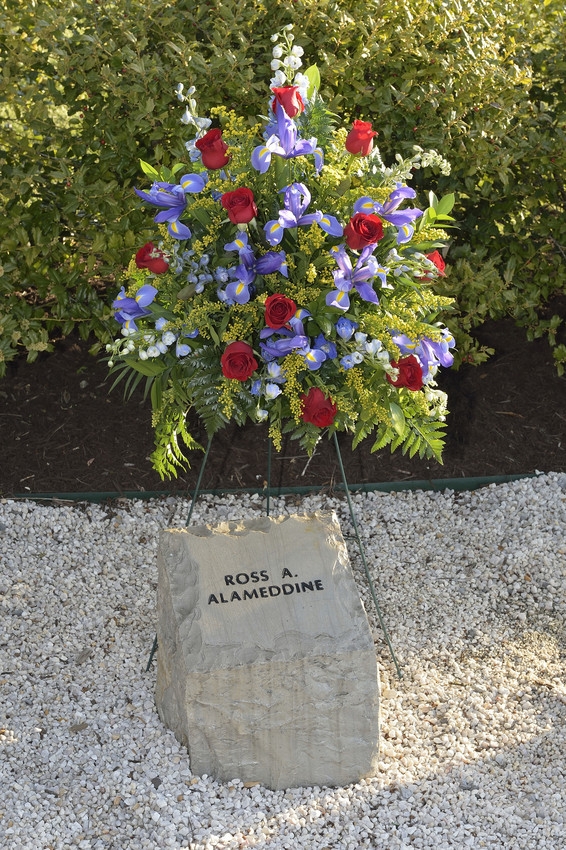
[346,277]
[243,275]
[297,200]
[345,328]
[402,220]
[322,349]
[172,198]
[283,341]
[129,309]
[326,345]
[429,353]
[285,143]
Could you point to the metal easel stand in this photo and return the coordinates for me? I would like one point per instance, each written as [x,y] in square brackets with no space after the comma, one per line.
[267,490]
[364,561]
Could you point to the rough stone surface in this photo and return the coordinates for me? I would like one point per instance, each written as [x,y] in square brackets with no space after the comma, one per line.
[266,664]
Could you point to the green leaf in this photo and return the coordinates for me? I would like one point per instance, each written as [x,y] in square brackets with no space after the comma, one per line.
[149,170]
[397,418]
[146,367]
[445,204]
[313,76]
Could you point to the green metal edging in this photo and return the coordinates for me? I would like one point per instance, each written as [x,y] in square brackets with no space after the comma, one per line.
[434,484]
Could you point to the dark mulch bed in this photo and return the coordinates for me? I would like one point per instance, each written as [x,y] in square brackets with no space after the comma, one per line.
[62,432]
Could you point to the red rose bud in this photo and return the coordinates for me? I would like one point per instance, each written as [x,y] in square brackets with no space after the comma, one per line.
[360,138]
[410,373]
[240,205]
[213,150]
[278,310]
[238,361]
[150,257]
[290,99]
[317,409]
[436,258]
[363,230]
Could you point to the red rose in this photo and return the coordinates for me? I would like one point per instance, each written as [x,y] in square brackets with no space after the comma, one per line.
[240,205]
[150,257]
[436,258]
[238,361]
[410,373]
[278,310]
[213,150]
[318,409]
[360,138]
[363,230]
[290,99]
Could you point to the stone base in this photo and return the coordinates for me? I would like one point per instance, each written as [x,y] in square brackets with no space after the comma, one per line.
[266,666]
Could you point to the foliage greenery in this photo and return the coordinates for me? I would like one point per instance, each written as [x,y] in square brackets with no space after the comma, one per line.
[87,90]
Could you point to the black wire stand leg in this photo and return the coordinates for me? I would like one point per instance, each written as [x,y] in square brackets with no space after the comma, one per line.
[364,561]
[193,502]
[267,487]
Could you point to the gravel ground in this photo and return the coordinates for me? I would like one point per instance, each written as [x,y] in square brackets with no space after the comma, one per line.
[472,587]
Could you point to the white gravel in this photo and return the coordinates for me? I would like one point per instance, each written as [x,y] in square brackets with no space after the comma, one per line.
[472,586]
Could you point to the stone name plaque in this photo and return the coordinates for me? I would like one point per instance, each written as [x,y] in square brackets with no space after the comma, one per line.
[266,669]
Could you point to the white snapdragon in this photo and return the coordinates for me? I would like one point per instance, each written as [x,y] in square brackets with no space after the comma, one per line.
[302,83]
[430,157]
[439,401]
[278,79]
[292,62]
[286,57]
[190,118]
[168,338]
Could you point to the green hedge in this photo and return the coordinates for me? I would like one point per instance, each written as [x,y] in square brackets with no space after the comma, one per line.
[87,90]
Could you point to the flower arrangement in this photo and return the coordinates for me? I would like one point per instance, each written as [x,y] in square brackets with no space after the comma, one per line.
[292,281]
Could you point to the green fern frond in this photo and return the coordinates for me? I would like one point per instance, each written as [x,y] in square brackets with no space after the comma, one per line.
[168,457]
[422,437]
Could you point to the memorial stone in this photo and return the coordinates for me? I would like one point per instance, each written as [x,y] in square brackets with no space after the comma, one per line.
[266,665]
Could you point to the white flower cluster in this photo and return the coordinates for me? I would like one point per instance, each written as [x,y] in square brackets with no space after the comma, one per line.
[423,158]
[438,400]
[286,58]
[190,117]
[402,171]
[152,344]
